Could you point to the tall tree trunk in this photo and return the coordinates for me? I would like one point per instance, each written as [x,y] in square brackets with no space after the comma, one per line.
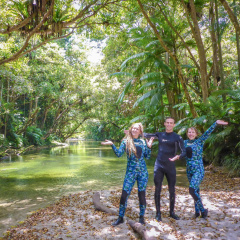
[35,107]
[1,94]
[170,92]
[171,102]
[216,72]
[201,51]
[6,112]
[237,39]
[180,73]
[30,106]
[220,52]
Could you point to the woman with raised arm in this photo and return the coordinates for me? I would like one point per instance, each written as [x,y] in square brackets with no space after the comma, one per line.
[136,149]
[195,168]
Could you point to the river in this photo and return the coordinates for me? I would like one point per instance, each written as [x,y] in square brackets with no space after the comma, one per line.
[39,178]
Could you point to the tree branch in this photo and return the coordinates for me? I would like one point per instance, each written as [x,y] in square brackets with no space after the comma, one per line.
[231,15]
[16,55]
[16,27]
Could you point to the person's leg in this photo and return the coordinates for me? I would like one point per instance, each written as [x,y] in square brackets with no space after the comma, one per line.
[195,192]
[123,203]
[171,178]
[158,179]
[128,184]
[142,185]
[197,210]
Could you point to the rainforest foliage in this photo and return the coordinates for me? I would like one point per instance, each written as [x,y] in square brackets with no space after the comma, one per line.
[178,58]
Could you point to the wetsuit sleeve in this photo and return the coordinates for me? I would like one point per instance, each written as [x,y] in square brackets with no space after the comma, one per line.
[119,152]
[147,151]
[182,148]
[205,136]
[149,135]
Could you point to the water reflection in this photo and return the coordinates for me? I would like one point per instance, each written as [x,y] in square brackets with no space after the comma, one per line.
[35,180]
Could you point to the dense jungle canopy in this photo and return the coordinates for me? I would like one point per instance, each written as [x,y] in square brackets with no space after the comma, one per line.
[178,58]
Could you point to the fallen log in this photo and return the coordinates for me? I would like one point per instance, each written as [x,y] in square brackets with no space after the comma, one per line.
[99,206]
[25,149]
[141,230]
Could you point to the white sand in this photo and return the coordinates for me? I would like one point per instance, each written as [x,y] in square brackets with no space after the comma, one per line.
[74,216]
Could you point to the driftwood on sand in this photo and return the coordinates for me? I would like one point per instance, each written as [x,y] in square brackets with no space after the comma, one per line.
[140,229]
[100,207]
[137,227]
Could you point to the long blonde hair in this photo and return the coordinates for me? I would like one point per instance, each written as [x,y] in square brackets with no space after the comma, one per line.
[130,146]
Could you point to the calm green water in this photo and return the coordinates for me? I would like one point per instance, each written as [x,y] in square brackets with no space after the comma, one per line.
[37,179]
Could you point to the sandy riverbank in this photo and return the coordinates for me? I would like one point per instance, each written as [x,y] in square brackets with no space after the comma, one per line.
[74,216]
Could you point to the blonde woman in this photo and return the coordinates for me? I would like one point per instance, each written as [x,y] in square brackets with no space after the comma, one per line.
[136,149]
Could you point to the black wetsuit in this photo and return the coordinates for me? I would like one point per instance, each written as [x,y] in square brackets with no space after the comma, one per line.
[168,145]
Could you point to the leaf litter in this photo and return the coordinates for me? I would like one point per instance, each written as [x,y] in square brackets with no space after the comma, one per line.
[74,216]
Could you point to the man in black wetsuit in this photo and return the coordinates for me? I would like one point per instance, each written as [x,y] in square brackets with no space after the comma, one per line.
[168,144]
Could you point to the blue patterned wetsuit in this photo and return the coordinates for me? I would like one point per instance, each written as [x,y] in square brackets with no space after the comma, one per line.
[195,168]
[136,171]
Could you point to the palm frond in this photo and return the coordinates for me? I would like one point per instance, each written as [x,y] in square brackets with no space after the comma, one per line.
[188,66]
[156,98]
[180,106]
[139,55]
[147,85]
[143,65]
[144,96]
[122,95]
[152,43]
[151,76]
[181,121]
[138,118]
[121,74]
[161,65]
[200,120]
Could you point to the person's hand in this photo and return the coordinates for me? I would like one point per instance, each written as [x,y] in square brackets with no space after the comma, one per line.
[126,131]
[221,122]
[150,142]
[174,158]
[107,142]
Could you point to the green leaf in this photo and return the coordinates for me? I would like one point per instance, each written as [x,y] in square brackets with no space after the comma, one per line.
[139,55]
[188,66]
[127,87]
[121,74]
[138,118]
[143,97]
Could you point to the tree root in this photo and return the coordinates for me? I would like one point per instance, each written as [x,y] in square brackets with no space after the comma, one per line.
[140,229]
[137,227]
[100,207]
